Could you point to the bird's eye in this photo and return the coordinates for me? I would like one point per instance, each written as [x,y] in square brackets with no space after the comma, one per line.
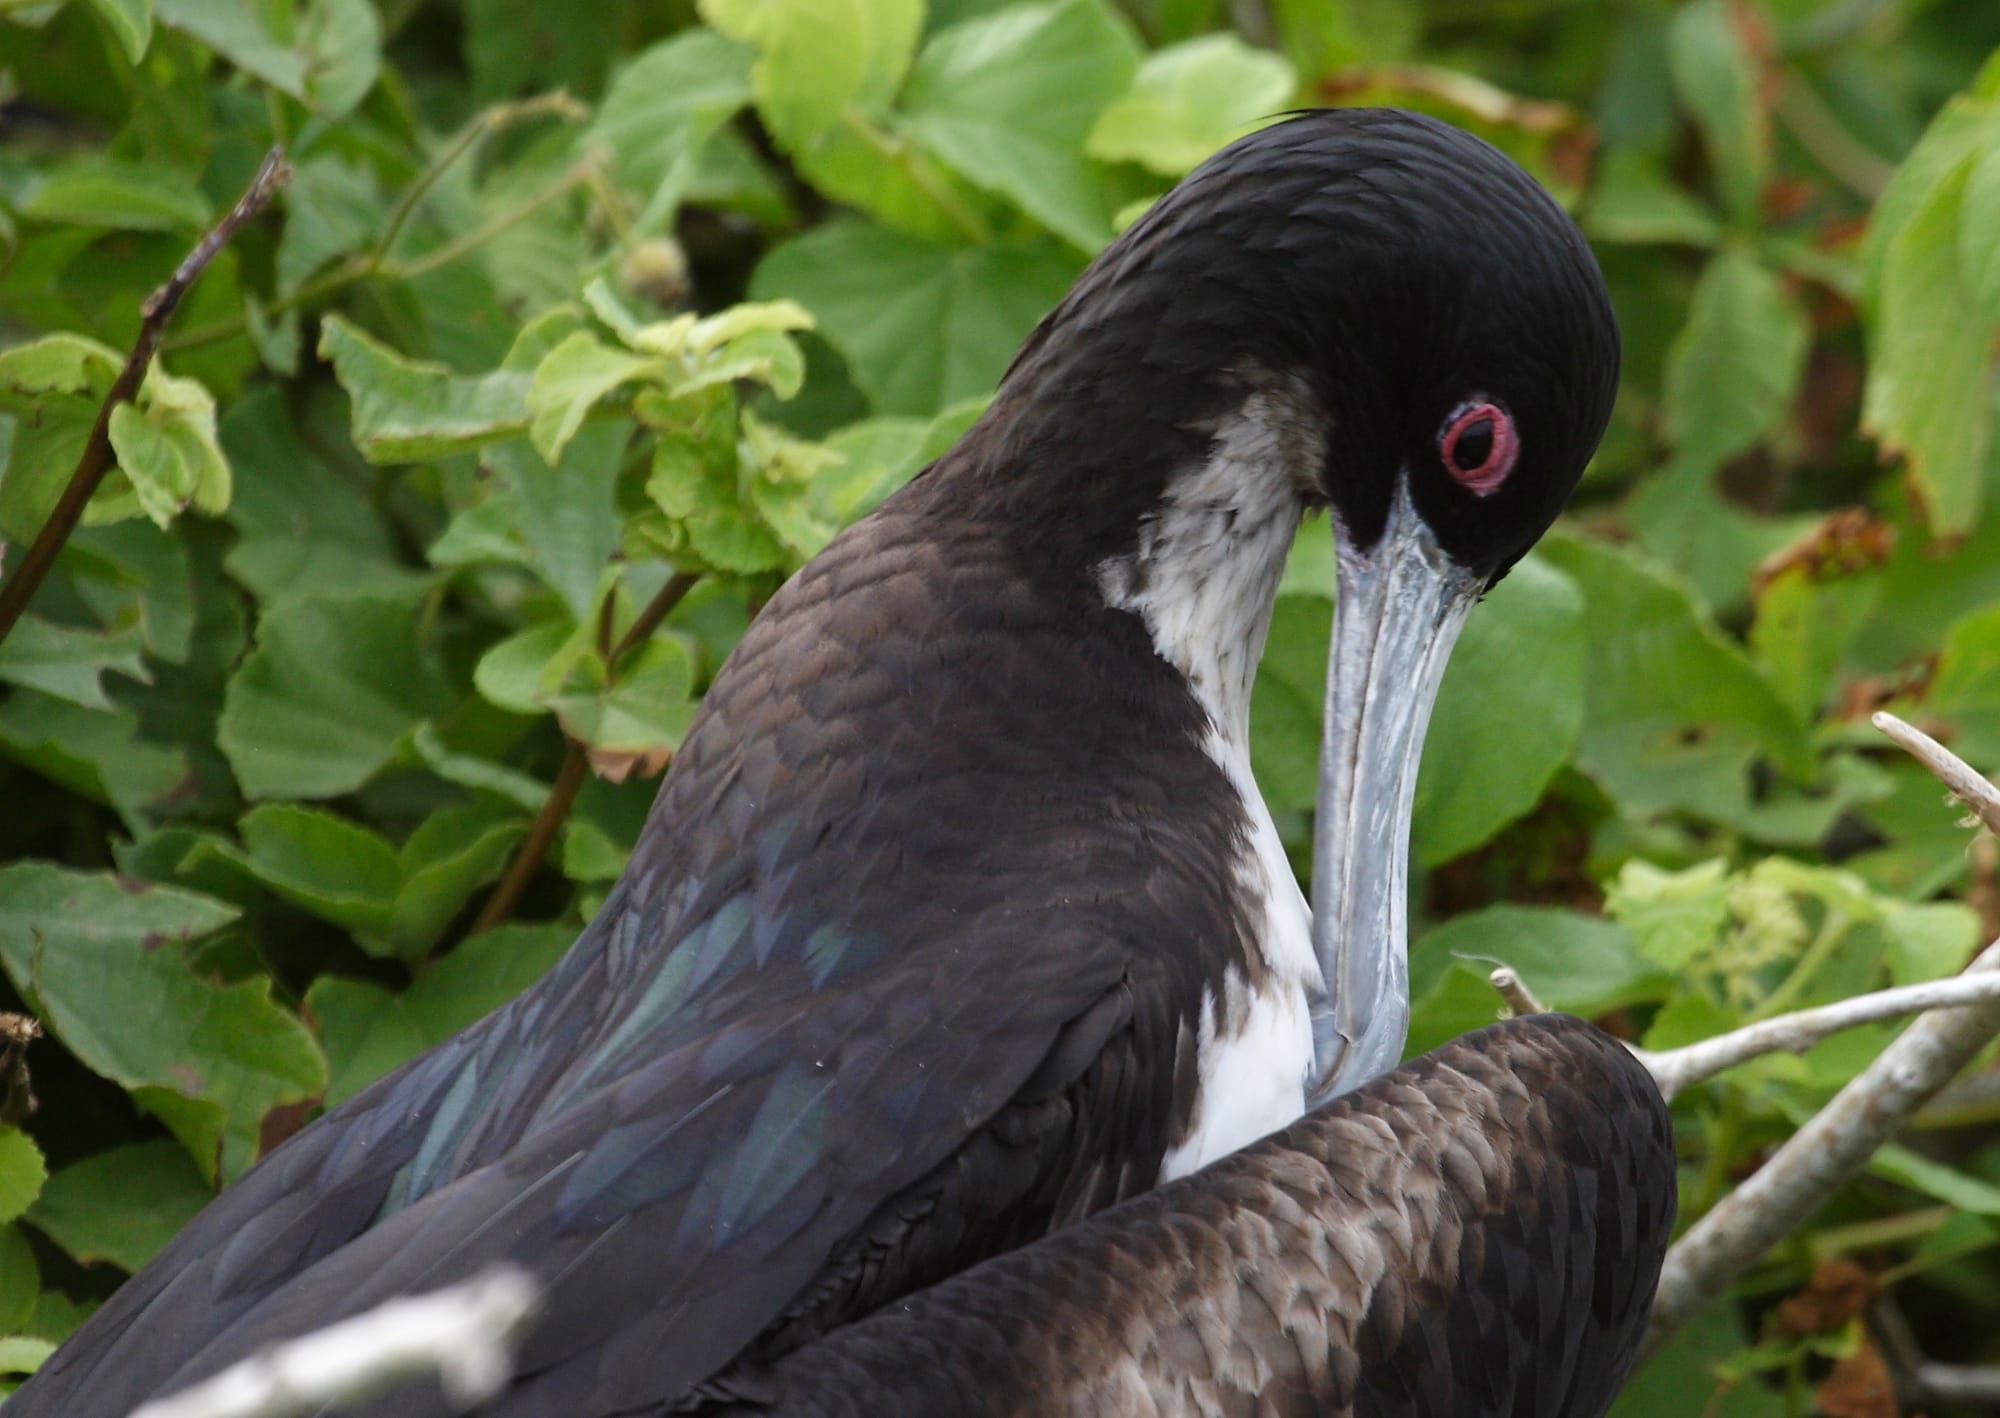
[1478,445]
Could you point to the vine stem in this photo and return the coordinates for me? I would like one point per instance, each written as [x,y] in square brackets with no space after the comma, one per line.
[96,459]
[576,761]
[376,260]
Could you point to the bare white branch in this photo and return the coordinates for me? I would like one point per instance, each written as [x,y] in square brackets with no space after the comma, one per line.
[1966,783]
[1870,1110]
[1514,990]
[1678,1069]
[1822,1155]
[465,1335]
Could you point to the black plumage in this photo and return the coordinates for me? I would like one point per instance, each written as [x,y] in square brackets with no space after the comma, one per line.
[909,965]
[1475,1235]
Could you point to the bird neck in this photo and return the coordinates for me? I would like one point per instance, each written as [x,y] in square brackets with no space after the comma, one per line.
[1203,572]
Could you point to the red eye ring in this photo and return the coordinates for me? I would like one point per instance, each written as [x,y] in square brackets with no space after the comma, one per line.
[1483,432]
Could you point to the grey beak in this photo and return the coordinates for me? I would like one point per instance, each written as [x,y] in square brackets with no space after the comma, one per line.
[1401,605]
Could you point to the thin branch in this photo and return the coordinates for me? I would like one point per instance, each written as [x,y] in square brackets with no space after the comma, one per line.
[1967,784]
[96,459]
[375,261]
[576,177]
[1677,1070]
[486,123]
[528,856]
[1820,1157]
[1820,132]
[1838,1140]
[465,1335]
[576,761]
[1514,990]
[648,620]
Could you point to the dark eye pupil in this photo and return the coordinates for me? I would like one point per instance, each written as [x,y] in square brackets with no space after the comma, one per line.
[1474,445]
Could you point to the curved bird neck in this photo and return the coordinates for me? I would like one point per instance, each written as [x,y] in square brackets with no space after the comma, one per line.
[1204,570]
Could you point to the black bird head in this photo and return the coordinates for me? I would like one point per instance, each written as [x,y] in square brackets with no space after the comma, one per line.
[1366,310]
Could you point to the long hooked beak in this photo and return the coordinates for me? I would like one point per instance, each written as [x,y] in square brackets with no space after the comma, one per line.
[1401,605]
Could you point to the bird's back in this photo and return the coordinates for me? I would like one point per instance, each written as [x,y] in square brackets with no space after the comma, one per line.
[818,1048]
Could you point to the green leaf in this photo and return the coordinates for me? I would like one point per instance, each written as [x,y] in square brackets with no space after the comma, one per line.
[1457,1001]
[20,1354]
[1927,940]
[1009,100]
[341,44]
[451,855]
[1631,201]
[1978,253]
[1930,356]
[306,526]
[511,672]
[20,1286]
[1947,1184]
[1806,619]
[1963,697]
[566,517]
[62,363]
[22,1174]
[1683,1376]
[571,379]
[1673,916]
[661,110]
[1508,713]
[824,80]
[131,21]
[331,689]
[470,771]
[239,33]
[167,448]
[368,1030]
[93,752]
[646,708]
[121,1205]
[514,47]
[881,454]
[1572,962]
[333,207]
[1286,698]
[395,901]
[1673,712]
[1188,100]
[921,325]
[70,662]
[100,956]
[817,59]
[104,192]
[408,410]
[1717,81]
[1733,371]
[338,870]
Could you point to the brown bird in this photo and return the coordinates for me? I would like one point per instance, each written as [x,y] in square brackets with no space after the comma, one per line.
[1477,1233]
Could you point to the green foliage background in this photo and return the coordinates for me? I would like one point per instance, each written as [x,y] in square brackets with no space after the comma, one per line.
[571,317]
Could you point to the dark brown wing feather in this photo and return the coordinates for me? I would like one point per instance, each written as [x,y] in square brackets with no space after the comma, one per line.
[1477,1233]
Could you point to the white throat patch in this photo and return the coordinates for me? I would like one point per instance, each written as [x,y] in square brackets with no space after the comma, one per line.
[1203,578]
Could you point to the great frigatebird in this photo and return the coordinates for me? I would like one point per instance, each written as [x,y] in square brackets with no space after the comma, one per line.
[958,916]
